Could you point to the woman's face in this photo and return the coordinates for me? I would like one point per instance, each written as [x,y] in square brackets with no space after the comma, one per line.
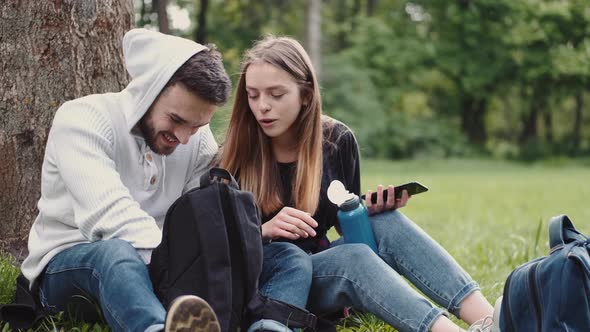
[274,98]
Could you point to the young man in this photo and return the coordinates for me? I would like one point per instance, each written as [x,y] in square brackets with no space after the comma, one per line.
[113,165]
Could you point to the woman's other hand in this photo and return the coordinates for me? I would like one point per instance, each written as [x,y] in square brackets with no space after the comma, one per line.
[289,223]
[391,204]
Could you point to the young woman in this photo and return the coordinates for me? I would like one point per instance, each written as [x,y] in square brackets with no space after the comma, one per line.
[286,153]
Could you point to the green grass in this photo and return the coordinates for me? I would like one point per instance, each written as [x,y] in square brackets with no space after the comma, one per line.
[485,213]
[8,274]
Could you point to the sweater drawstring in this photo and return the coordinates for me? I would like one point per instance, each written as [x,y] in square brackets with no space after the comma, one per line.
[164,174]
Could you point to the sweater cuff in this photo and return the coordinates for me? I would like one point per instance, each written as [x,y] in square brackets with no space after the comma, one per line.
[145,254]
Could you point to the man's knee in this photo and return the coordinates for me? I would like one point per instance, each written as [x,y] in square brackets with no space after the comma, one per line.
[285,253]
[116,251]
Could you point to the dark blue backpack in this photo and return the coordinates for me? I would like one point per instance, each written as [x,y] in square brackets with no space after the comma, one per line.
[551,293]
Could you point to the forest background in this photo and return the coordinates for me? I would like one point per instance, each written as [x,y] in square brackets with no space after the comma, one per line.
[484,101]
[499,78]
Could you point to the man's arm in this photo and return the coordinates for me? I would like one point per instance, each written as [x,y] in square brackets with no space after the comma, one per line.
[83,145]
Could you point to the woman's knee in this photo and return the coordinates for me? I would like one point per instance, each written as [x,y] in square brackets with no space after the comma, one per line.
[357,253]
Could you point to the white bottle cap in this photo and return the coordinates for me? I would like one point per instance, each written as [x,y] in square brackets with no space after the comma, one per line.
[337,194]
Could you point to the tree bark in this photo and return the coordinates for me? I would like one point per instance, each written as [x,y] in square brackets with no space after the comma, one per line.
[314,33]
[50,52]
[201,32]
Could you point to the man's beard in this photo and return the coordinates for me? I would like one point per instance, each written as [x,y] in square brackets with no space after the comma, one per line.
[150,135]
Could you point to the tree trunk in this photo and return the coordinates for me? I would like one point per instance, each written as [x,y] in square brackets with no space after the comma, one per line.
[530,126]
[201,32]
[51,52]
[371,4]
[548,125]
[342,14]
[473,112]
[162,10]
[577,132]
[314,33]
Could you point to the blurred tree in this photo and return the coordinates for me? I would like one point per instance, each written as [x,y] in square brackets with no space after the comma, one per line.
[147,14]
[51,52]
[152,12]
[577,127]
[314,33]
[507,74]
[550,45]
[469,49]
[162,11]
[201,30]
[371,5]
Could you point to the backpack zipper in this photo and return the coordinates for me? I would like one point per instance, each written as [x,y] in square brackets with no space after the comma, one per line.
[506,304]
[236,252]
[535,294]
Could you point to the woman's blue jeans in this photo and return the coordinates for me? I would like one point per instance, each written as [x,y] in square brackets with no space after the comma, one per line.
[111,273]
[353,275]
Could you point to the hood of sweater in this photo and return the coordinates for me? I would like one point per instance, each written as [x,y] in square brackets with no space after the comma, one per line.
[151,58]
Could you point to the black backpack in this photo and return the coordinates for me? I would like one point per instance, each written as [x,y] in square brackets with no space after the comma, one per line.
[212,247]
[551,293]
[26,311]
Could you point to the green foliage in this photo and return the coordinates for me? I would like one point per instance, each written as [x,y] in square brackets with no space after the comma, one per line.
[8,274]
[461,72]
[364,323]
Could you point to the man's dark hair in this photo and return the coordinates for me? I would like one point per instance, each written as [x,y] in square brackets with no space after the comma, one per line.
[204,75]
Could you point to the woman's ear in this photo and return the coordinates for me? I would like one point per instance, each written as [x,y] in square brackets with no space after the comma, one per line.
[305,99]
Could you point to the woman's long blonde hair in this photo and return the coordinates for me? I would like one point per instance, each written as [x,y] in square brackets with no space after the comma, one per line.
[247,150]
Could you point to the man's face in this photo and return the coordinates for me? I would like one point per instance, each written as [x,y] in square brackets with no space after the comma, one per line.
[173,118]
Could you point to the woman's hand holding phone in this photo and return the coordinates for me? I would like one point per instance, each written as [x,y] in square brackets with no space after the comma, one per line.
[289,223]
[391,203]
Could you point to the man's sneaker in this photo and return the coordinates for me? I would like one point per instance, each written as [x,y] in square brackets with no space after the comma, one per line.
[489,323]
[191,313]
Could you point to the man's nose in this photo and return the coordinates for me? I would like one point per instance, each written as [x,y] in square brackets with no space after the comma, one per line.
[183,135]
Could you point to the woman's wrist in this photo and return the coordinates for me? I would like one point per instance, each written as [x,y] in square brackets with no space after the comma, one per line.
[265,234]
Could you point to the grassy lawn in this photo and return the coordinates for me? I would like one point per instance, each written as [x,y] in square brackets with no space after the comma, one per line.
[485,213]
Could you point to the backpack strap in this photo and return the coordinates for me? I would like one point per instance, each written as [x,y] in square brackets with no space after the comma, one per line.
[562,231]
[217,174]
[264,307]
[26,311]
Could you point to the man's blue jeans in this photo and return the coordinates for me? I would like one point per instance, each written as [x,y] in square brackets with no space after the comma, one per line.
[353,275]
[111,273]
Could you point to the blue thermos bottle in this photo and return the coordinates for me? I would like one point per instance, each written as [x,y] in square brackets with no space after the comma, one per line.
[354,222]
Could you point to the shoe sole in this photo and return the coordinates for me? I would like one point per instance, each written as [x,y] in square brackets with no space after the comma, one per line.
[191,313]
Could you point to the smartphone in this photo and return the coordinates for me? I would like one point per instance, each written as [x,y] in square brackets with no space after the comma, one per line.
[413,188]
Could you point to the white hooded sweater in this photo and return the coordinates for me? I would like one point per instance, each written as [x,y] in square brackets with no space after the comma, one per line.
[99,179]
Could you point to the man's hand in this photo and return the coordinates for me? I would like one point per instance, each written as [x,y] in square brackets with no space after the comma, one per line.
[391,204]
[289,223]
